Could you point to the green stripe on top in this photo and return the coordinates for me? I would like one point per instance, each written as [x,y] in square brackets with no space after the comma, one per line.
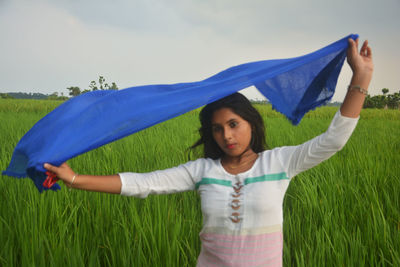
[266,177]
[213,181]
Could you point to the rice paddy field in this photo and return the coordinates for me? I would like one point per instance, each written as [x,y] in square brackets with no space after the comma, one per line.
[344,212]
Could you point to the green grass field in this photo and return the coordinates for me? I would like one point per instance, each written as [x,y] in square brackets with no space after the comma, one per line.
[344,212]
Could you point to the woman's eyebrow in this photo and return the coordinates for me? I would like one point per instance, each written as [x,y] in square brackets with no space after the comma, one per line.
[229,121]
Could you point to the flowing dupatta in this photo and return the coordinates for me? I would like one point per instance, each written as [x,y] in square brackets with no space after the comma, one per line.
[293,86]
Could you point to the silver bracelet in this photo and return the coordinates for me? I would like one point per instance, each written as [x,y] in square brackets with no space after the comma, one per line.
[358,88]
[72,181]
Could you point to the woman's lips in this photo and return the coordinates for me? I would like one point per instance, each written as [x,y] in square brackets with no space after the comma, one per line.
[230,146]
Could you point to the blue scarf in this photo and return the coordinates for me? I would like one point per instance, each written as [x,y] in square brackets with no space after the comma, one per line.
[293,86]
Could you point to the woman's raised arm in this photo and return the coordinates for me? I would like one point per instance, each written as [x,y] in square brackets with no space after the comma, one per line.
[362,67]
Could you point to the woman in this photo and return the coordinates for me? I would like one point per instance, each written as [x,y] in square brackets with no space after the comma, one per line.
[241,184]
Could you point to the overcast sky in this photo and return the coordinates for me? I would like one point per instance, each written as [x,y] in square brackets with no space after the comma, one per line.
[47,46]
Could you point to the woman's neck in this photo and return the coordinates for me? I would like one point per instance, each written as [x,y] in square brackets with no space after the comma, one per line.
[245,156]
[241,163]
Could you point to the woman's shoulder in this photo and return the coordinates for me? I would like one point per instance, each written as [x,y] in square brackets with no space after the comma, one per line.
[206,161]
[201,163]
[275,153]
[271,151]
[198,167]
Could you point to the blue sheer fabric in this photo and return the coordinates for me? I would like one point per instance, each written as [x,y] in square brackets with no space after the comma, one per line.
[293,86]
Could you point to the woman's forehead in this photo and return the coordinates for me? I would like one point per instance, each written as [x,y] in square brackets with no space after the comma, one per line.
[224,115]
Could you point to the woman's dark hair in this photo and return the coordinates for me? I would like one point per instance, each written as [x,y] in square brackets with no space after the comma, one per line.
[240,105]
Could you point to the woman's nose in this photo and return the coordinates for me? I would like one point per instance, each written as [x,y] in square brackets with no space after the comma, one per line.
[227,134]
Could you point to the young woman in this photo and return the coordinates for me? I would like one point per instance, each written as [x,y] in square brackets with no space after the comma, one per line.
[241,184]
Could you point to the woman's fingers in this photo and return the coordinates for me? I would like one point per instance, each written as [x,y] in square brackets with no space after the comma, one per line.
[363,50]
[353,48]
[53,168]
[369,52]
[50,167]
[359,60]
[64,172]
[366,50]
[352,43]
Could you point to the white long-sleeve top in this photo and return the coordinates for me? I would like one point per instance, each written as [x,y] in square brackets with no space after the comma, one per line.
[242,213]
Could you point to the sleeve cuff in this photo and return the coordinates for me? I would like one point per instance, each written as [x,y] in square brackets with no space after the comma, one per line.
[346,118]
[341,127]
[123,178]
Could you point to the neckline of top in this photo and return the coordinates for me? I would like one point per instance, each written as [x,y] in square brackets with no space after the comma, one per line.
[241,173]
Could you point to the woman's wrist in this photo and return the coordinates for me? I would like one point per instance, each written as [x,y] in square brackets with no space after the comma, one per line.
[362,79]
[73,180]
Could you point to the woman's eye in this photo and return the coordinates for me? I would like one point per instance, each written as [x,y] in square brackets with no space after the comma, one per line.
[216,129]
[233,124]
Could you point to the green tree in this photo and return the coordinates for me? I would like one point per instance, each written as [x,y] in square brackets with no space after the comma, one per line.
[93,86]
[6,96]
[74,91]
[379,101]
[53,96]
[393,100]
[113,86]
[385,91]
[383,101]
[101,82]
[102,85]
[368,103]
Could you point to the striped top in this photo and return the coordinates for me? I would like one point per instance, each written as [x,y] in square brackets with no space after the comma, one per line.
[242,213]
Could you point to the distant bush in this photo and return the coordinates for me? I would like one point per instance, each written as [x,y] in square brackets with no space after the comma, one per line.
[391,101]
[6,96]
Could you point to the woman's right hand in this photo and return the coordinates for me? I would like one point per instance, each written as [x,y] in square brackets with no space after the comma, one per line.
[64,172]
[105,183]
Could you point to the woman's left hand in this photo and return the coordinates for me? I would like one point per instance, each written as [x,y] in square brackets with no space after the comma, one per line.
[363,67]
[360,62]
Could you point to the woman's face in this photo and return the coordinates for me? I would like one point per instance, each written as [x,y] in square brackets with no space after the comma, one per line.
[231,132]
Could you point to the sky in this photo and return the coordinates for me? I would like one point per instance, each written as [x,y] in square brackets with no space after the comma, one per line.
[47,46]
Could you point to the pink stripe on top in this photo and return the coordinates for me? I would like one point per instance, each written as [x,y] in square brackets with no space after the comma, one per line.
[246,250]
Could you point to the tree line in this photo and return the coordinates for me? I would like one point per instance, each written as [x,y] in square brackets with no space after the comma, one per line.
[385,100]
[93,86]
[37,96]
[73,91]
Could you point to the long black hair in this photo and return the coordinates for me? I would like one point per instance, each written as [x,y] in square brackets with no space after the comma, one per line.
[240,105]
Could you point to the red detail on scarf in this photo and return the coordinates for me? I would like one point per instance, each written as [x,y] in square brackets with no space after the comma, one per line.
[50,180]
